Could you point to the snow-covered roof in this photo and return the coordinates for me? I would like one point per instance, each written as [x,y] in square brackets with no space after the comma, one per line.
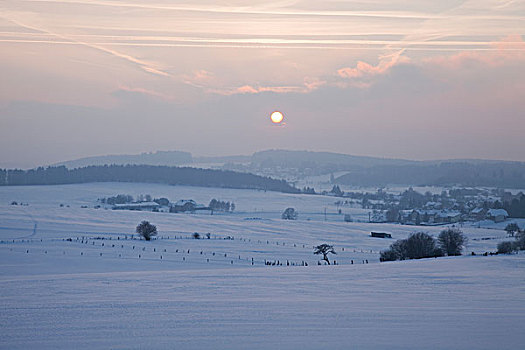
[448,214]
[497,212]
[137,205]
[184,201]
[477,210]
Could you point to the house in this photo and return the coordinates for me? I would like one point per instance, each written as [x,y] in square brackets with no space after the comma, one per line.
[448,217]
[380,235]
[433,205]
[497,215]
[183,205]
[376,216]
[428,216]
[142,206]
[478,214]
[415,217]
[405,216]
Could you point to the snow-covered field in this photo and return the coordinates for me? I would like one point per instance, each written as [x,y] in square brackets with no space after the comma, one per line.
[217,293]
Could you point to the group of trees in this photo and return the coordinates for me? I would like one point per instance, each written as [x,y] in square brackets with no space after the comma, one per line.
[516,206]
[465,173]
[143,173]
[217,205]
[422,245]
[308,190]
[508,247]
[118,199]
[126,198]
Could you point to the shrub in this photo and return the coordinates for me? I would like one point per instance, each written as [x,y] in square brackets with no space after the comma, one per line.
[451,241]
[506,247]
[421,245]
[512,228]
[289,214]
[388,255]
[146,230]
[520,240]
[417,246]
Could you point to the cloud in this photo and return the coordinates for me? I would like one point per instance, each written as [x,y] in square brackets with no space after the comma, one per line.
[309,85]
[363,69]
[364,74]
[199,78]
[278,9]
[144,65]
[144,91]
[507,50]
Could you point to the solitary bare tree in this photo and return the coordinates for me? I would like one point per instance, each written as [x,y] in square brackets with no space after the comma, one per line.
[325,249]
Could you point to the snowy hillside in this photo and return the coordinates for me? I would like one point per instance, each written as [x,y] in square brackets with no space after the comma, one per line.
[73,277]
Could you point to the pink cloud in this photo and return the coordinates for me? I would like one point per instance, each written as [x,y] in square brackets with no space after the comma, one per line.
[309,84]
[509,49]
[199,78]
[146,92]
[249,89]
[364,70]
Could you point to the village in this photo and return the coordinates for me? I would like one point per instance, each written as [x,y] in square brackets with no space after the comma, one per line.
[409,207]
[449,207]
[147,203]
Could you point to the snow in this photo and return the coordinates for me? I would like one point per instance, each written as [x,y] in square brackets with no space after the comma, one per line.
[497,212]
[91,292]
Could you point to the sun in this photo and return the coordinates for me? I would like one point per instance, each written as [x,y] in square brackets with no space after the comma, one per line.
[276,117]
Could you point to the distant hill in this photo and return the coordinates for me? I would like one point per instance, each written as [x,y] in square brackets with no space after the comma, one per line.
[362,171]
[464,173]
[169,158]
[223,159]
[324,161]
[327,160]
[143,174]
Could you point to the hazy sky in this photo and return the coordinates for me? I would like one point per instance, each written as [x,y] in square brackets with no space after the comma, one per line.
[419,79]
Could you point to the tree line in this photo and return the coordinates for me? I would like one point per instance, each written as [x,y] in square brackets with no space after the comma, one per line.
[60,175]
[217,205]
[422,245]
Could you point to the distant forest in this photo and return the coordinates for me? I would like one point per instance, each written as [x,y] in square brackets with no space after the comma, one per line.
[473,173]
[142,173]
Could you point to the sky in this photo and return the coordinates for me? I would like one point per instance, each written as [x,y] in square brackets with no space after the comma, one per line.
[419,79]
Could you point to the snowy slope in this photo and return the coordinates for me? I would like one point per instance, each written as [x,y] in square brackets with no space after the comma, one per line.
[179,292]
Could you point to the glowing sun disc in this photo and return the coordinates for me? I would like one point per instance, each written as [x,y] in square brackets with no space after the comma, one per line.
[276,117]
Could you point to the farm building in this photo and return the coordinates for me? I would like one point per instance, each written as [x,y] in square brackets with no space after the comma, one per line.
[497,215]
[142,206]
[380,235]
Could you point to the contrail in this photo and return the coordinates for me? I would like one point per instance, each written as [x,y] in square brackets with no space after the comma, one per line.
[143,64]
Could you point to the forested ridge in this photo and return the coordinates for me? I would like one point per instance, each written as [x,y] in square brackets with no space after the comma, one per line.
[142,173]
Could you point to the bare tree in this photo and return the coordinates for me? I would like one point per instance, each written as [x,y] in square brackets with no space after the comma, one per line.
[512,228]
[146,230]
[506,247]
[325,249]
[289,214]
[451,241]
